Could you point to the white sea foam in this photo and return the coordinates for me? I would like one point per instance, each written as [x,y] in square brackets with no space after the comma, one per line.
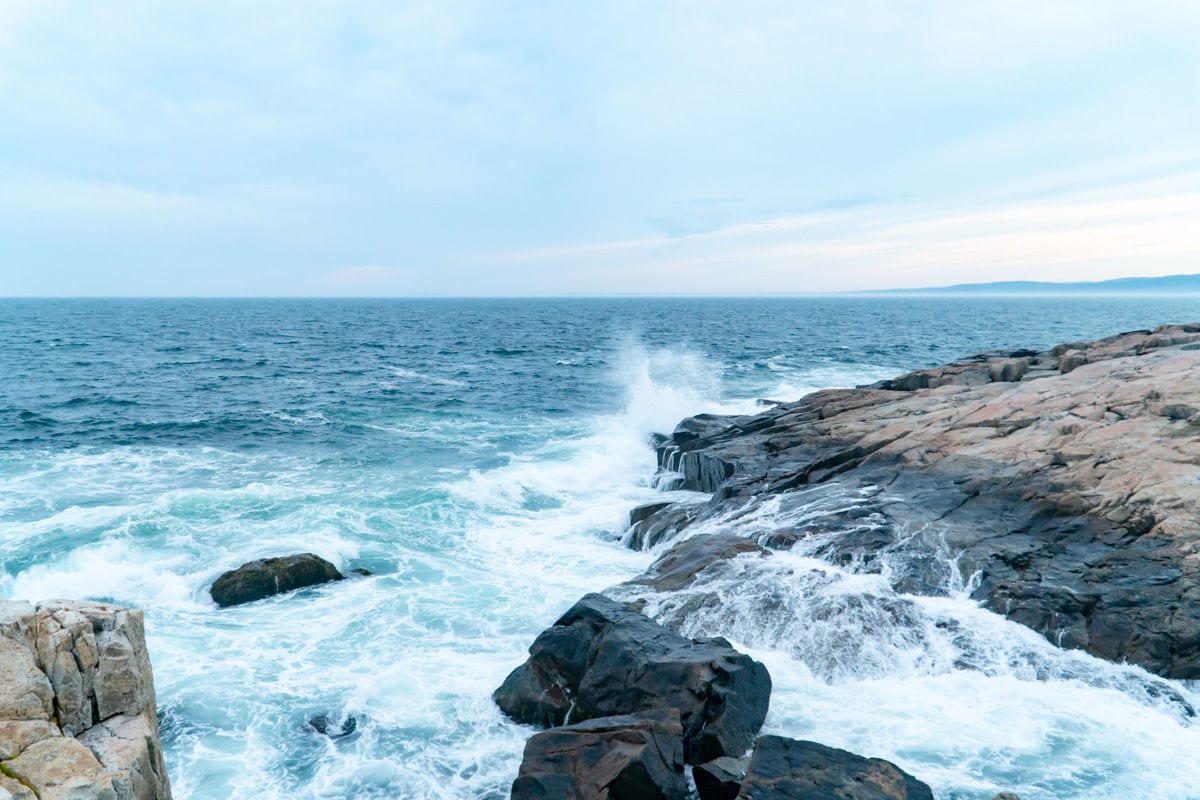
[470,565]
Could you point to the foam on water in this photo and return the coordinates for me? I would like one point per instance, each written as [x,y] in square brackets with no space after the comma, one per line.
[480,459]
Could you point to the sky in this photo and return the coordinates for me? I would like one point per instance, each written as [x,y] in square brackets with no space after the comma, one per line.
[320,148]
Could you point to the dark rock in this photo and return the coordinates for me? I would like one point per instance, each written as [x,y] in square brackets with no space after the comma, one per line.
[785,769]
[323,724]
[361,571]
[680,565]
[1006,796]
[270,576]
[662,526]
[719,779]
[604,659]
[646,511]
[630,757]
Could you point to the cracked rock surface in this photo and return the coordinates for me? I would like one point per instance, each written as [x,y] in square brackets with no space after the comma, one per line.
[77,705]
[1066,482]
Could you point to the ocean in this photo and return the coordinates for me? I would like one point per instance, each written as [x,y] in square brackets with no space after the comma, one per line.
[479,458]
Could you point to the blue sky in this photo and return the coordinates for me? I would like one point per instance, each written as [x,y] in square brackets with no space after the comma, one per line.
[546,148]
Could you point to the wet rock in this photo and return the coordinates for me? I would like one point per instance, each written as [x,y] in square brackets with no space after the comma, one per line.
[680,565]
[270,576]
[1064,481]
[634,757]
[1006,796]
[603,658]
[645,511]
[96,680]
[661,525]
[334,730]
[784,769]
[720,779]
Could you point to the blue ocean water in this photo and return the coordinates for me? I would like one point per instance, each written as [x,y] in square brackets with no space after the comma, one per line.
[479,457]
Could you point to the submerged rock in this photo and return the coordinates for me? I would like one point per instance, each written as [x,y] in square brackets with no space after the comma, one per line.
[630,757]
[77,704]
[270,576]
[322,723]
[784,769]
[603,659]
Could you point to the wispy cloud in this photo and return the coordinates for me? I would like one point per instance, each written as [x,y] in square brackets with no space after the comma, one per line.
[1133,228]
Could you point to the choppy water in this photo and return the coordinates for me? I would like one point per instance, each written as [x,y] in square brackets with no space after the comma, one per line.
[479,457]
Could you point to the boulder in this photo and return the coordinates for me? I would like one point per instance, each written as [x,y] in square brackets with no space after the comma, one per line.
[784,769]
[629,757]
[602,658]
[270,576]
[719,779]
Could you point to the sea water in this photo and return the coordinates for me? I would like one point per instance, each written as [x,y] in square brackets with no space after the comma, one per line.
[479,457]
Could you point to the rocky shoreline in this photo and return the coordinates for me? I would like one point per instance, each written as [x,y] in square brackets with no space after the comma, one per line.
[1056,488]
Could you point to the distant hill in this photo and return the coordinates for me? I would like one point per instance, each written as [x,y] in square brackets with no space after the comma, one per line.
[1165,284]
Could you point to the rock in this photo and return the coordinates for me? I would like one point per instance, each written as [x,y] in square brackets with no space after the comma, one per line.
[323,724]
[1064,479]
[629,757]
[1006,796]
[27,694]
[680,565]
[11,789]
[782,769]
[270,576]
[95,686]
[660,525]
[604,659]
[61,768]
[645,511]
[16,735]
[719,779]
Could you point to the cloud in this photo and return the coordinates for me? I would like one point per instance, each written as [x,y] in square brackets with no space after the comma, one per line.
[1131,228]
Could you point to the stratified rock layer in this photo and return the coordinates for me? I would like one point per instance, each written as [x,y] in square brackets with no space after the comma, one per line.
[603,658]
[77,705]
[1066,481]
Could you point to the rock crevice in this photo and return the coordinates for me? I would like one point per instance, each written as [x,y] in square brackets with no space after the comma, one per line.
[77,705]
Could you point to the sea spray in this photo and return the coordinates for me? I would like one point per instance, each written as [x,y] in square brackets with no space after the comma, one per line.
[244,429]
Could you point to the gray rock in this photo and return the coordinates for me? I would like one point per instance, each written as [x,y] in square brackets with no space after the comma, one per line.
[784,769]
[630,757]
[270,576]
[719,779]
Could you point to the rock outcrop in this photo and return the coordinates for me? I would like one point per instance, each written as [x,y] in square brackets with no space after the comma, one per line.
[270,576]
[603,659]
[77,706]
[783,769]
[1064,481]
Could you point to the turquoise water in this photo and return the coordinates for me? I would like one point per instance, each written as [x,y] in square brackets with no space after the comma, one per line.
[479,456]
